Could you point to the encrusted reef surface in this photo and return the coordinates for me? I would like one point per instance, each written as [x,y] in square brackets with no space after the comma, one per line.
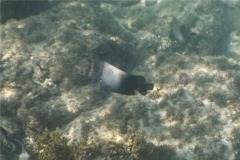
[52,103]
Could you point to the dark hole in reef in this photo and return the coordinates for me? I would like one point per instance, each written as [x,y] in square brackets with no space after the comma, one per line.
[22,9]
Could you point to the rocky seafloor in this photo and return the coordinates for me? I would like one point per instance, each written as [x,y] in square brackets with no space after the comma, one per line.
[190,50]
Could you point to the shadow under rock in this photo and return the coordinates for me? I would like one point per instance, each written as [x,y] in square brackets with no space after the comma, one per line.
[23,9]
[163,153]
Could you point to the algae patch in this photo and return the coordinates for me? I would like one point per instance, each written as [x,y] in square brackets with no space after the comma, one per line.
[53,145]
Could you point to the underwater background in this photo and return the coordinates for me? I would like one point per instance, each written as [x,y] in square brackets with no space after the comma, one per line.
[51,104]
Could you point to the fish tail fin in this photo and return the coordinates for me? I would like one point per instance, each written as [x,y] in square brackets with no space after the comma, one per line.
[17,147]
[145,87]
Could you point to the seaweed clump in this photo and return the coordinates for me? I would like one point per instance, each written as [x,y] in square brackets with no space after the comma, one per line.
[52,146]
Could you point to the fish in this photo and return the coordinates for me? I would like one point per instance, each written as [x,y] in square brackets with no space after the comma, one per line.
[8,145]
[115,80]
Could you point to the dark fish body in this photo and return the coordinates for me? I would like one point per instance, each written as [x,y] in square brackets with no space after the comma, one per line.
[116,80]
[9,146]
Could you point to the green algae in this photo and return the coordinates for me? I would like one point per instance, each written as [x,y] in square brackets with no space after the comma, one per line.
[53,145]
